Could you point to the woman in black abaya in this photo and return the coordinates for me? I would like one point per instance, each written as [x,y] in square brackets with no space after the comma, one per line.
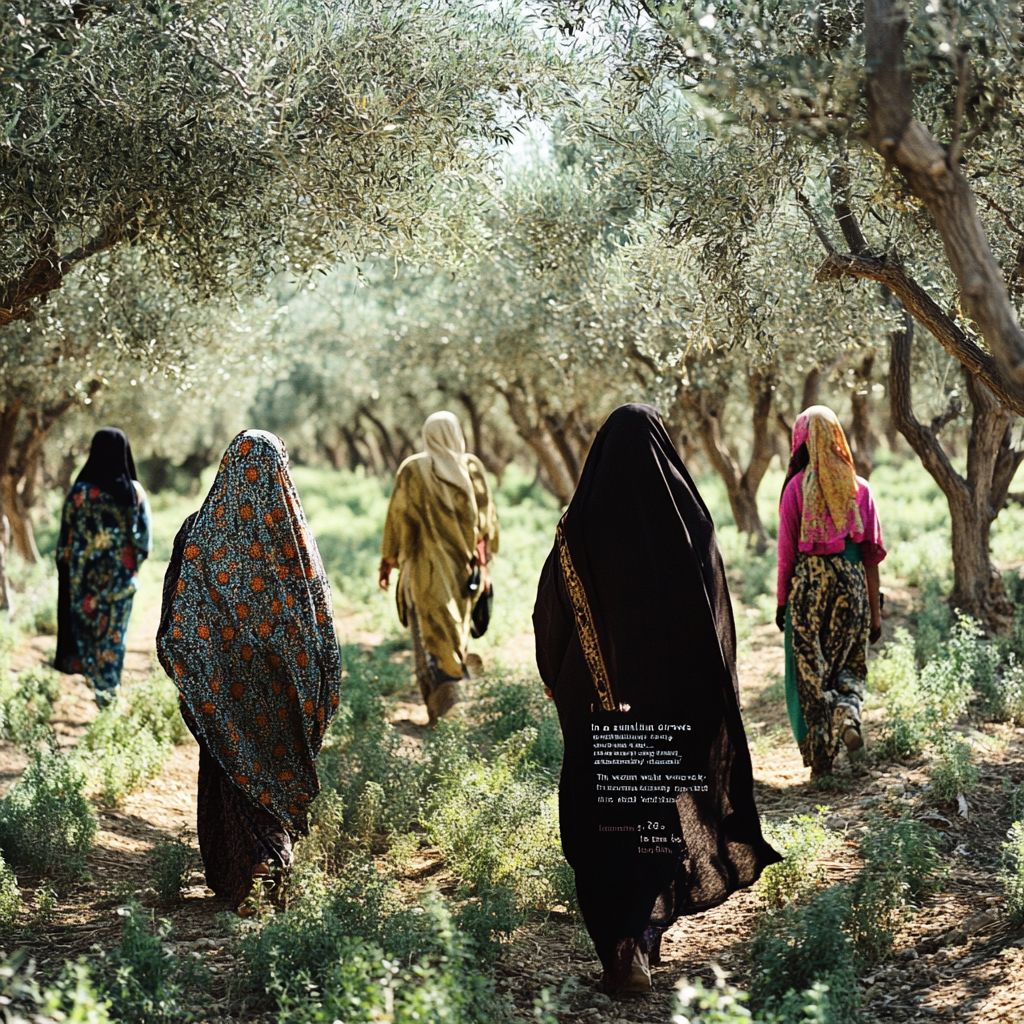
[636,644]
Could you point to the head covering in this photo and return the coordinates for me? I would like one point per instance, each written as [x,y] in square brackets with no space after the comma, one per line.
[445,445]
[110,466]
[637,586]
[249,638]
[830,481]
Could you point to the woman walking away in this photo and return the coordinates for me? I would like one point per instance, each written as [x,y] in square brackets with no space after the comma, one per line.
[104,538]
[440,531]
[830,545]
[247,634]
[636,644]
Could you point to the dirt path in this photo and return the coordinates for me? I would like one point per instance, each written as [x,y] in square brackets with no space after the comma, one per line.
[947,965]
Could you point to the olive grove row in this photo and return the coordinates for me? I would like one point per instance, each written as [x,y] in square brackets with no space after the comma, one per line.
[326,219]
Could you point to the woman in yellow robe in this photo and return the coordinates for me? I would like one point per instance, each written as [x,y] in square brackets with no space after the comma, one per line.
[441,526]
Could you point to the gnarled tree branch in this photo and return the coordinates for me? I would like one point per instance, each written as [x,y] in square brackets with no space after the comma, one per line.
[46,273]
[888,270]
[935,177]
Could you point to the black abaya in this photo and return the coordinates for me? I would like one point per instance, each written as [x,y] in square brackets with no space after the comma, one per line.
[635,637]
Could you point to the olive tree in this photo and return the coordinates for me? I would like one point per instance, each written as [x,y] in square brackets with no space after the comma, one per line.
[223,143]
[825,94]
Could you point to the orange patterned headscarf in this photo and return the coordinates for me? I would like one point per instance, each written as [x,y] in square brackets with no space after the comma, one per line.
[830,480]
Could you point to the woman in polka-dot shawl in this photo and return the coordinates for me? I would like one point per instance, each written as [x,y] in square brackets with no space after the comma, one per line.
[247,635]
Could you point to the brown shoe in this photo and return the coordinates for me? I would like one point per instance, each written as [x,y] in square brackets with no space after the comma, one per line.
[442,700]
[639,980]
[854,742]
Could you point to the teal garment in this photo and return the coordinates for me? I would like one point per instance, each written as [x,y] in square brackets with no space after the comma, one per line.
[851,552]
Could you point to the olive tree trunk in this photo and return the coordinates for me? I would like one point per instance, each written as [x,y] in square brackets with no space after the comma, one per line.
[974,502]
[8,430]
[560,444]
[934,175]
[863,435]
[741,485]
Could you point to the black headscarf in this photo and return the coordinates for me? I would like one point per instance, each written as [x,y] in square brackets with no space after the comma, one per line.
[642,545]
[110,466]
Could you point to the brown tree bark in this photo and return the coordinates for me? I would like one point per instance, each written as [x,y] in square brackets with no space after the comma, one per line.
[532,426]
[974,502]
[45,273]
[812,388]
[8,431]
[476,422]
[19,465]
[385,442]
[495,457]
[863,435]
[888,270]
[356,457]
[934,175]
[741,485]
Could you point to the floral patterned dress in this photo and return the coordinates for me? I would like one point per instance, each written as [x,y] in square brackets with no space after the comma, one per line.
[101,545]
[247,634]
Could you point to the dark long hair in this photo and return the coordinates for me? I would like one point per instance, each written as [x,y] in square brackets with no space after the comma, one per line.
[797,464]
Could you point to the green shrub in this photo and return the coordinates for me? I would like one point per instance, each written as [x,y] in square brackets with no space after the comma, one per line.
[496,823]
[29,707]
[893,674]
[802,946]
[954,773]
[46,823]
[1015,795]
[508,705]
[930,619]
[378,786]
[948,680]
[1012,874]
[903,734]
[141,977]
[922,705]
[906,849]
[894,671]
[10,897]
[128,742]
[801,840]
[71,998]
[325,959]
[44,620]
[153,705]
[875,913]
[172,860]
[325,846]
[723,1004]
[901,862]
[492,912]
[1004,695]
[1013,583]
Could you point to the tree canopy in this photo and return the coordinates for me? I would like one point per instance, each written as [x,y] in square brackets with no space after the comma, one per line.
[228,141]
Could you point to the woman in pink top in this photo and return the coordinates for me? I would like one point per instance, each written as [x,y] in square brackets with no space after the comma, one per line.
[830,545]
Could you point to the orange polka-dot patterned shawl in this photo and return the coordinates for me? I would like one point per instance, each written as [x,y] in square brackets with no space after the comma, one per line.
[249,637]
[830,481]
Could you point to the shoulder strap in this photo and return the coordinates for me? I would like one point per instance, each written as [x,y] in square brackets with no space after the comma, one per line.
[585,625]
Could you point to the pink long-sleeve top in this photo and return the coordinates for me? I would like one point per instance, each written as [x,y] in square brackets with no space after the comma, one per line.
[790,515]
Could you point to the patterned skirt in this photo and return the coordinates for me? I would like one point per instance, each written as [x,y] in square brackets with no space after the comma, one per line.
[235,835]
[830,615]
